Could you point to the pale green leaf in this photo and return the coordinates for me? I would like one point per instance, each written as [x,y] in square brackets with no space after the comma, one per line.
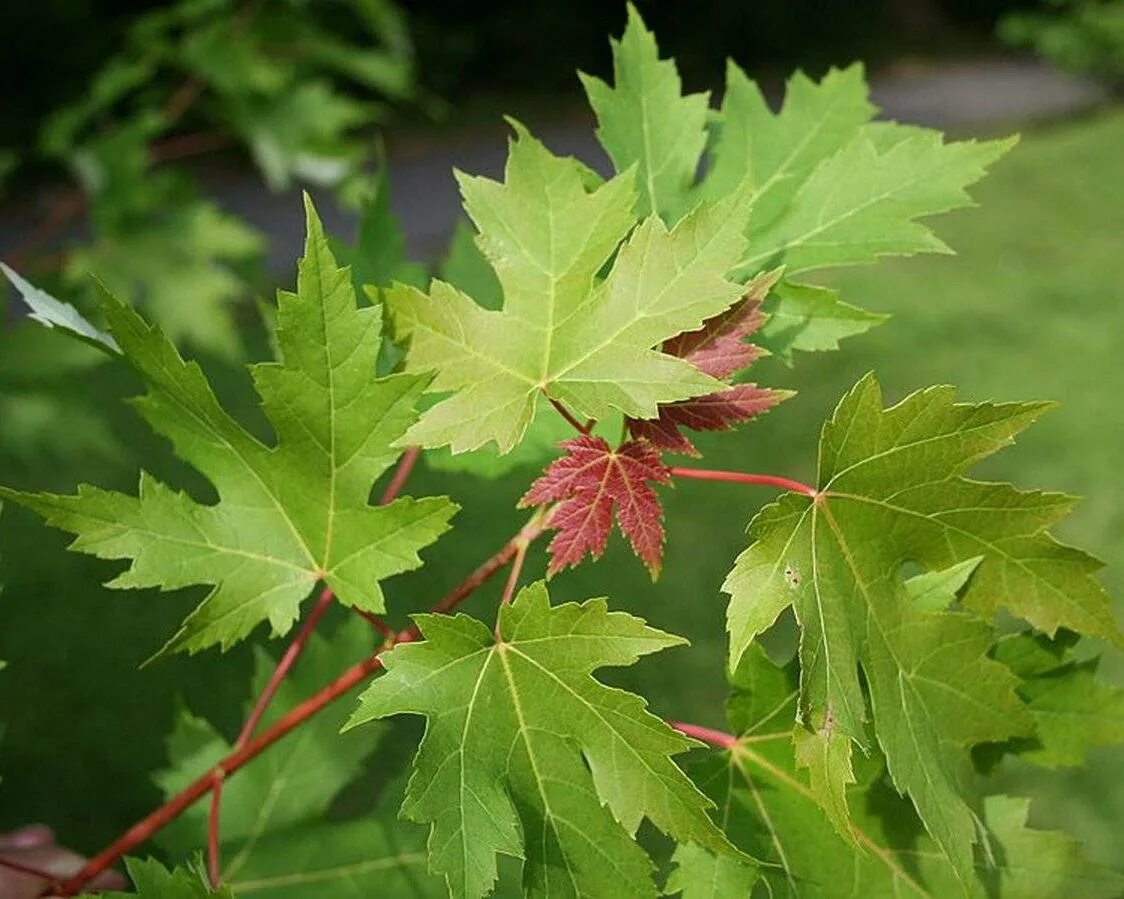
[891,492]
[527,755]
[810,318]
[778,151]
[861,203]
[562,333]
[934,591]
[644,122]
[288,516]
[53,313]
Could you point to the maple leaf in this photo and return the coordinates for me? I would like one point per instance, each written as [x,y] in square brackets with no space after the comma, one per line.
[889,493]
[643,121]
[826,186]
[288,515]
[592,481]
[527,755]
[719,349]
[562,332]
[151,880]
[771,812]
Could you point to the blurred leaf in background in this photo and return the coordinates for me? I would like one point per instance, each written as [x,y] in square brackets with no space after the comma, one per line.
[1082,36]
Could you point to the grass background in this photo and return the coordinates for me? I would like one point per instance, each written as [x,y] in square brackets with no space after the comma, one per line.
[1033,307]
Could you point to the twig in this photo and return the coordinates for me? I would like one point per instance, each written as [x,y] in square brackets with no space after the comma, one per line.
[717,738]
[401,474]
[512,580]
[174,807]
[377,623]
[214,855]
[569,416]
[768,480]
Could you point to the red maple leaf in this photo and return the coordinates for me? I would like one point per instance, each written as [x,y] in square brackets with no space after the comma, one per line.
[592,481]
[713,412]
[719,349]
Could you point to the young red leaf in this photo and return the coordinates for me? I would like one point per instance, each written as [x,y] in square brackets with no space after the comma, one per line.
[714,412]
[592,481]
[718,349]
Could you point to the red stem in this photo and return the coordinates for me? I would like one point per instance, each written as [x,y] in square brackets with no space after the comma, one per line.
[377,623]
[718,738]
[214,856]
[569,416]
[144,829]
[401,474]
[769,480]
[175,806]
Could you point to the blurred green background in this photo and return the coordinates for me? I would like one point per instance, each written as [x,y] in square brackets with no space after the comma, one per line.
[1031,307]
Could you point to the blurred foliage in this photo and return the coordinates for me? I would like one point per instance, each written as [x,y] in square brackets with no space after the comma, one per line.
[295,84]
[1083,36]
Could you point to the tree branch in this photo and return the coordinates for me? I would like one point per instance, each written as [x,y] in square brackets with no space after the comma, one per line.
[569,416]
[214,855]
[174,807]
[401,474]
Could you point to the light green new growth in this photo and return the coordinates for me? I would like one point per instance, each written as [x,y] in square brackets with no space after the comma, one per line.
[890,492]
[527,755]
[288,515]
[563,333]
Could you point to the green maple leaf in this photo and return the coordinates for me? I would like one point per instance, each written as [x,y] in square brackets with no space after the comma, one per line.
[826,186]
[891,492]
[151,880]
[643,121]
[562,332]
[770,810]
[289,515]
[1073,709]
[527,755]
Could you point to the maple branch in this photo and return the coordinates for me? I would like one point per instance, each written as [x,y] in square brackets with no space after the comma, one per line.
[513,575]
[535,526]
[718,738]
[179,803]
[768,480]
[174,807]
[401,474]
[377,623]
[214,855]
[569,416]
